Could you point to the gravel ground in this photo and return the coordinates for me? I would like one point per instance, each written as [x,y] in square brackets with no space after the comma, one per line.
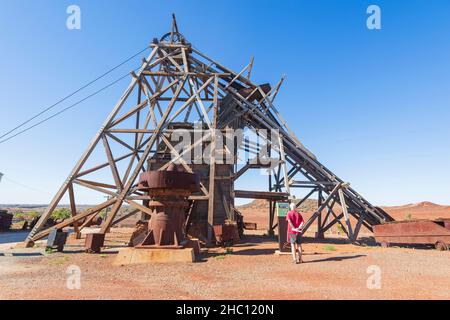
[251,271]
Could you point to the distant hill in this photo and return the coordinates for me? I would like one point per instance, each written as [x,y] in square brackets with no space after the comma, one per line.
[257,211]
[308,206]
[421,210]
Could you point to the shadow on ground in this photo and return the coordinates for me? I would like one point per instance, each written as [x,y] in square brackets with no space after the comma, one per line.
[341,258]
[27,254]
[12,236]
[363,241]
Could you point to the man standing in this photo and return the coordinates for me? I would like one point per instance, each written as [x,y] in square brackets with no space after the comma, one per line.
[295,225]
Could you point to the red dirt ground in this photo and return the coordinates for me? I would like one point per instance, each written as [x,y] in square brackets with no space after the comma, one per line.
[332,270]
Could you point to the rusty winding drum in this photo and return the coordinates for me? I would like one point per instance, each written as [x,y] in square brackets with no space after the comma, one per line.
[169,191]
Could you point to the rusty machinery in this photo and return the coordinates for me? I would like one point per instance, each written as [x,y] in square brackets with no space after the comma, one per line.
[5,220]
[168,192]
[426,232]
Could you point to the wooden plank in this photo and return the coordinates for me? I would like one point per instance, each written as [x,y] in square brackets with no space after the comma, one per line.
[125,216]
[212,165]
[345,212]
[283,164]
[73,209]
[93,187]
[139,207]
[250,68]
[101,166]
[112,163]
[275,196]
[70,221]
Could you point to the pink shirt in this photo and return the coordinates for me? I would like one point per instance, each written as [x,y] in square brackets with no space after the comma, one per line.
[295,218]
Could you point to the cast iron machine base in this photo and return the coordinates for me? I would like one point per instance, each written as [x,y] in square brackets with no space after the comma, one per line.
[168,192]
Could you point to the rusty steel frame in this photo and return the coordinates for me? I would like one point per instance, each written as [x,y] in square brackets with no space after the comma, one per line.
[176,81]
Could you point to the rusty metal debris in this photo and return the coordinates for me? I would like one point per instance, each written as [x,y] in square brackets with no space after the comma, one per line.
[57,240]
[226,234]
[250,226]
[5,220]
[436,232]
[94,242]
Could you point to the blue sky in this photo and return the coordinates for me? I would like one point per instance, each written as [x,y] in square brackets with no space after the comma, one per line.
[373,105]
